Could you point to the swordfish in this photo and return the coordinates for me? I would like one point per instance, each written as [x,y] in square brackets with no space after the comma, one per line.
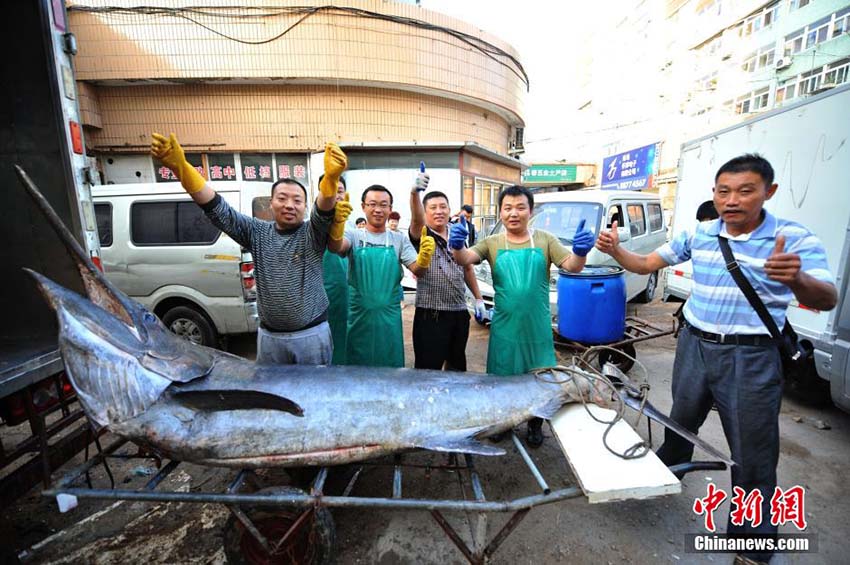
[197,404]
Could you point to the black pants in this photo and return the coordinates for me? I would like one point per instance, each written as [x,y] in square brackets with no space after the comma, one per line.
[745,382]
[439,336]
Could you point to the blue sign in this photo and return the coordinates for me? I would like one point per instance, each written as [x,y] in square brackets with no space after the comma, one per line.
[632,170]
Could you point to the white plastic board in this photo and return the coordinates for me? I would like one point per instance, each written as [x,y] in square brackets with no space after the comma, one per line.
[603,476]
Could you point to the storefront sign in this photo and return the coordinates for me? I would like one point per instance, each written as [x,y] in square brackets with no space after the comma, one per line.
[549,174]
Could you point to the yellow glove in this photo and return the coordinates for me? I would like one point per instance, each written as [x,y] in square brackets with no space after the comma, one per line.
[168,151]
[342,209]
[427,245]
[335,164]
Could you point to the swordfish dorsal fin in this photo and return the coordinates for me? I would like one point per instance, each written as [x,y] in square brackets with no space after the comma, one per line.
[100,291]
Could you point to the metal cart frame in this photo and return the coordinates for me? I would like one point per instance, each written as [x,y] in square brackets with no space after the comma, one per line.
[479,551]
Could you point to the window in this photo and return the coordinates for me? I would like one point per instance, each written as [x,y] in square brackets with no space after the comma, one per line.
[103,218]
[222,167]
[562,218]
[794,42]
[760,98]
[486,204]
[760,20]
[170,223]
[818,32]
[841,23]
[837,72]
[257,167]
[637,221]
[797,4]
[786,90]
[656,218]
[749,64]
[765,58]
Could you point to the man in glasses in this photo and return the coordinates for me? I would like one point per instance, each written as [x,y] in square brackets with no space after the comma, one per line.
[374,321]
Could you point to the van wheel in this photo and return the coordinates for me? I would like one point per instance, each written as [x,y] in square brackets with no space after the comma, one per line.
[191,325]
[648,293]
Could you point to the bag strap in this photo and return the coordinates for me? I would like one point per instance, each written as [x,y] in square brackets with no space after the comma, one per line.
[749,292]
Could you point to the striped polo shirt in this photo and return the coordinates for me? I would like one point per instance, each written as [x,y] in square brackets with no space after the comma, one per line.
[716,303]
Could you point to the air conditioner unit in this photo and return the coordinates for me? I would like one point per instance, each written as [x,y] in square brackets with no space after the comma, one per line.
[782,63]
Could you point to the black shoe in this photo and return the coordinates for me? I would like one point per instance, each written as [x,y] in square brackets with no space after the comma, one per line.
[535,433]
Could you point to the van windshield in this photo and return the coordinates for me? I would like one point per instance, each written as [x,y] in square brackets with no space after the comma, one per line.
[562,218]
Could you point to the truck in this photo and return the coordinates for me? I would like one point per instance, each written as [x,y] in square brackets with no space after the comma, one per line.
[806,142]
[40,130]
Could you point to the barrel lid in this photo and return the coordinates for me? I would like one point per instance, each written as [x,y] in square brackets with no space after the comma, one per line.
[595,271]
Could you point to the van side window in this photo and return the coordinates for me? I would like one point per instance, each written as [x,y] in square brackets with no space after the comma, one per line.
[637,221]
[170,223]
[261,208]
[656,220]
[103,218]
[615,214]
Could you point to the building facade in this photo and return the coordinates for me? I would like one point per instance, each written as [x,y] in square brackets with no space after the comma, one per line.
[255,92]
[684,68]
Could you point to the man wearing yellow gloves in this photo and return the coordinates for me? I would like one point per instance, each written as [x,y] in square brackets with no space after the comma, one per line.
[441,321]
[374,318]
[287,252]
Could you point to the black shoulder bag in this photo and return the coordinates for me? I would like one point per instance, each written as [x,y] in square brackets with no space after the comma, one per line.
[797,360]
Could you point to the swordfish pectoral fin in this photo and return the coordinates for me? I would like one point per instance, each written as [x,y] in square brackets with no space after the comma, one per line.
[465,445]
[223,400]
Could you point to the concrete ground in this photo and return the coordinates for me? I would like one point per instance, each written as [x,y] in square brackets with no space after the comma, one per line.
[572,531]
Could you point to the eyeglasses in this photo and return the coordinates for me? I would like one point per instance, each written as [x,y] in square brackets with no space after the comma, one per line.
[381,205]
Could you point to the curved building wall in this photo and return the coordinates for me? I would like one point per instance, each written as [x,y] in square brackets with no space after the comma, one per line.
[431,73]
[265,117]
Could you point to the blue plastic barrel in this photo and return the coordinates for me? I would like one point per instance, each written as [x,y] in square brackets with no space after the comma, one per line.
[592,304]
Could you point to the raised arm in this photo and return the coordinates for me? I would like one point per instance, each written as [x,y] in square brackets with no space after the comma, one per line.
[417,211]
[238,226]
[335,164]
[609,242]
[169,151]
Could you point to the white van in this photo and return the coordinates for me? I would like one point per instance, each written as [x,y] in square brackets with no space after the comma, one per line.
[161,250]
[641,224]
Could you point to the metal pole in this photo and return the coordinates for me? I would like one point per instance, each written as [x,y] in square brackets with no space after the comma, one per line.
[531,466]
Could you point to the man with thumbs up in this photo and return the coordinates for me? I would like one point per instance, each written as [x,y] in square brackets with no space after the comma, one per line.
[441,321]
[291,301]
[725,355]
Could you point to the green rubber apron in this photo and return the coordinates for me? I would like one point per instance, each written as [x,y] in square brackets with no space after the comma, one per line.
[521,329]
[336,286]
[374,320]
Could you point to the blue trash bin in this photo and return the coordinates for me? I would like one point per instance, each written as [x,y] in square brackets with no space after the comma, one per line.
[592,304]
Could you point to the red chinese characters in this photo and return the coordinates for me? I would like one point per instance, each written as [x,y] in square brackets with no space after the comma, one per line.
[299,171]
[166,174]
[283,171]
[228,172]
[265,172]
[709,504]
[216,173]
[249,173]
[788,506]
[746,507]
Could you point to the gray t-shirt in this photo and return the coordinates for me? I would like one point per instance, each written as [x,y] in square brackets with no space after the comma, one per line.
[362,238]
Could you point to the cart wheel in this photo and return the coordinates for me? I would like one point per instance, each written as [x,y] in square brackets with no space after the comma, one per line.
[312,543]
[622,363]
